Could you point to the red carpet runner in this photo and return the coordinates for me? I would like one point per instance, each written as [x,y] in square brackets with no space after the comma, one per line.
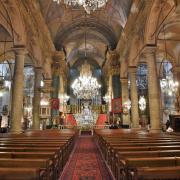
[86,162]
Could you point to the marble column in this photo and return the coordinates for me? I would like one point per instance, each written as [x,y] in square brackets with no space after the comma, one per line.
[134,98]
[153,88]
[17,90]
[37,98]
[125,97]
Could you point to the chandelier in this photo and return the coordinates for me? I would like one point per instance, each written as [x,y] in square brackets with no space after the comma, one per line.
[142,103]
[86,86]
[168,85]
[88,5]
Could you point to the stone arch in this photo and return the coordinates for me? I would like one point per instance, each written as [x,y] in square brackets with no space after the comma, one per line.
[134,51]
[14,22]
[152,22]
[101,28]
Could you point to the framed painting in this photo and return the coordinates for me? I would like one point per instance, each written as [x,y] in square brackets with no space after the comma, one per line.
[116,105]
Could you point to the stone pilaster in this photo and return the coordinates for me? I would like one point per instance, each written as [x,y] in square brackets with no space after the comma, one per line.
[153,88]
[125,97]
[37,98]
[17,90]
[134,98]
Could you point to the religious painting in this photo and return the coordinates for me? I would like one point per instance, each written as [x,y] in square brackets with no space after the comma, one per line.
[55,103]
[116,105]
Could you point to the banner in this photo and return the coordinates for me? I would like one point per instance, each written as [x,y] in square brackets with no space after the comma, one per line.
[116,105]
[55,103]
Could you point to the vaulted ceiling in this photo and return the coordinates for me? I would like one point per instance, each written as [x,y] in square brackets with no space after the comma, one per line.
[71,29]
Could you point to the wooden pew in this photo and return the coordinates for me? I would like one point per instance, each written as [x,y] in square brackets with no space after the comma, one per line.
[44,165]
[117,145]
[151,173]
[21,174]
[37,145]
[140,154]
[111,152]
[52,156]
[131,165]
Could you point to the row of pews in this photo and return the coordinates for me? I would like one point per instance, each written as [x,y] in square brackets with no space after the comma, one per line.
[35,155]
[135,154]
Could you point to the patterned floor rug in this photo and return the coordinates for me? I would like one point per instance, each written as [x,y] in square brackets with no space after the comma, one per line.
[86,162]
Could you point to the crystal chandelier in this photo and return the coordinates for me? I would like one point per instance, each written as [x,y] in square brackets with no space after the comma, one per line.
[142,103]
[168,85]
[86,86]
[88,5]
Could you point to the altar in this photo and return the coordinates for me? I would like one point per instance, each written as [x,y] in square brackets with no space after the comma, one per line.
[86,119]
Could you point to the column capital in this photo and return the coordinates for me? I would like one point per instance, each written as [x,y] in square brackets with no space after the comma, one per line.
[132,69]
[149,50]
[20,50]
[47,86]
[47,81]
[124,80]
[38,69]
[112,57]
[59,56]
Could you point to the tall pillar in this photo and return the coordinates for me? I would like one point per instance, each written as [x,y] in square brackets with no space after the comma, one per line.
[134,98]
[58,68]
[37,98]
[153,88]
[17,90]
[110,87]
[125,97]
[61,92]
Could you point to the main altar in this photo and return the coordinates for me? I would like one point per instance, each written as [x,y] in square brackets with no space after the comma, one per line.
[86,118]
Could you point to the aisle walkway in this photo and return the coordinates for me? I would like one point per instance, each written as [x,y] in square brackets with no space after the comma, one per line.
[86,162]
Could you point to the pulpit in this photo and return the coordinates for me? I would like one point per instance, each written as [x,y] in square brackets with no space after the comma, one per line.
[175,122]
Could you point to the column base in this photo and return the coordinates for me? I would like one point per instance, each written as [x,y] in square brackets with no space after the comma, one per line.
[13,131]
[136,128]
[155,130]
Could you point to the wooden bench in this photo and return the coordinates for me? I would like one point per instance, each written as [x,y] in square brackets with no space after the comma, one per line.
[36,155]
[131,165]
[140,154]
[119,145]
[44,165]
[150,173]
[21,174]
[27,150]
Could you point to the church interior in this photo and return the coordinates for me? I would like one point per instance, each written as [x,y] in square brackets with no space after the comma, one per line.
[89,89]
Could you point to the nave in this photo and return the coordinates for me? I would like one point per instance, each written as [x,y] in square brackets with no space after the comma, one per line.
[110,68]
